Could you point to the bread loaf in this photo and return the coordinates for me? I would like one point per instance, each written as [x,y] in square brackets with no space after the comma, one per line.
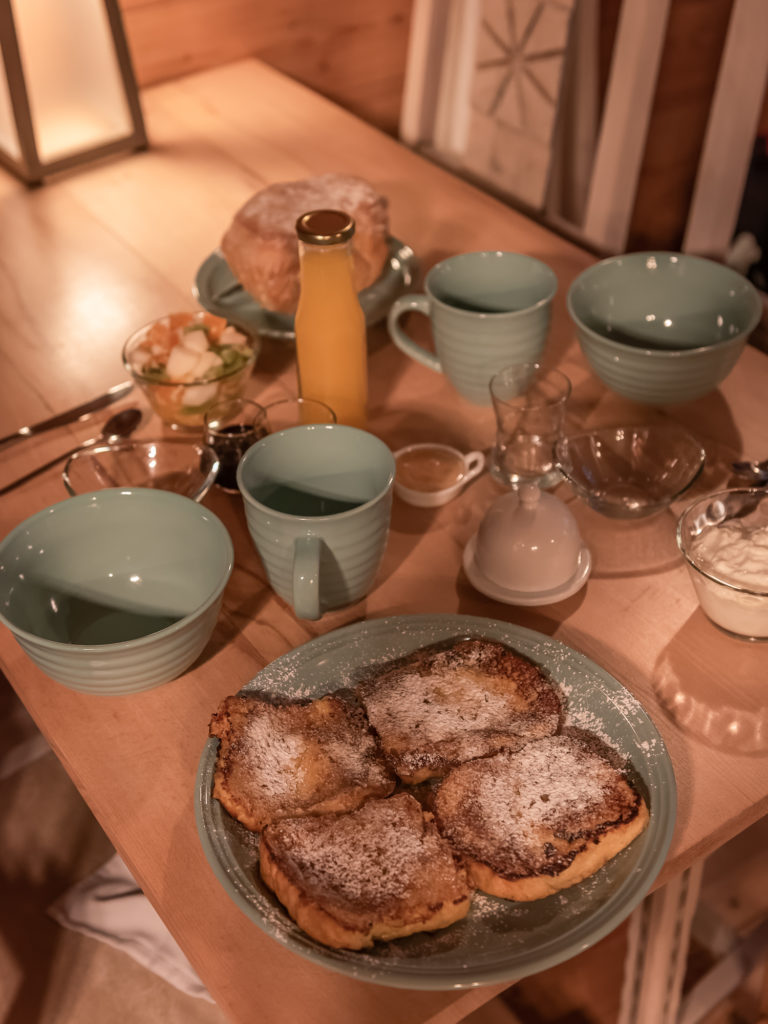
[261,247]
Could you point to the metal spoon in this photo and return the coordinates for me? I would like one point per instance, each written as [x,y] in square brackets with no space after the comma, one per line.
[118,426]
[755,471]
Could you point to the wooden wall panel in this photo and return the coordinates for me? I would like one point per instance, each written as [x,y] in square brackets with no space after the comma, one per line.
[353,53]
[687,78]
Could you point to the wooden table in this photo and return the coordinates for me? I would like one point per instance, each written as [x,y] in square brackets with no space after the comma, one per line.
[89,258]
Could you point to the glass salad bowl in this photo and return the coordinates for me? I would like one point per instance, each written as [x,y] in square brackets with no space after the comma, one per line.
[186,362]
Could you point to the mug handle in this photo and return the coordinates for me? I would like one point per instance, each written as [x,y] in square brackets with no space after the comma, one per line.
[411,304]
[306,577]
[475,464]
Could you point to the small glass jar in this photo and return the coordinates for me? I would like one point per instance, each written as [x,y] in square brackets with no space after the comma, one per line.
[230,429]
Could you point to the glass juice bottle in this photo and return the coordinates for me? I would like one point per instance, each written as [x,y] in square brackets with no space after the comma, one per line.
[331,345]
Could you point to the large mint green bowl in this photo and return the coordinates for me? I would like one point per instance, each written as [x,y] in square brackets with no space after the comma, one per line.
[662,327]
[116,591]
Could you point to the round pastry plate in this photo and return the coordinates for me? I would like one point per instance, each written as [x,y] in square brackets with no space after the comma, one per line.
[499,941]
[480,581]
[218,290]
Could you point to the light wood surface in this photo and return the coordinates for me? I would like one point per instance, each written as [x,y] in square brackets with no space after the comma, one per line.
[87,259]
[352,53]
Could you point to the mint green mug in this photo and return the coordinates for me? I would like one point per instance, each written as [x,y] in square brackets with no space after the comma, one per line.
[317,503]
[486,310]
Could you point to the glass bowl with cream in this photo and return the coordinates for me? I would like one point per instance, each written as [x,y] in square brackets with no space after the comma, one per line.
[724,540]
[430,474]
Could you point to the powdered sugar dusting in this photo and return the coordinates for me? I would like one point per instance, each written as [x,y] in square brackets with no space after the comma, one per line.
[276,206]
[383,855]
[271,758]
[442,707]
[544,783]
[439,708]
[278,760]
[521,813]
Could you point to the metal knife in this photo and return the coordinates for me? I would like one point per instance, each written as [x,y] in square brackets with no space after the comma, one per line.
[71,415]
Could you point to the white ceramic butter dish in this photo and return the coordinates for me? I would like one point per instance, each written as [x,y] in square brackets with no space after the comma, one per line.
[527,550]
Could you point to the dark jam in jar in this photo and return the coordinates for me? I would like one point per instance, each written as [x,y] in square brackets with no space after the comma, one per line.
[230,444]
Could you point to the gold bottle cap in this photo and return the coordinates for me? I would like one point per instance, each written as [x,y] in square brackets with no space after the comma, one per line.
[325,227]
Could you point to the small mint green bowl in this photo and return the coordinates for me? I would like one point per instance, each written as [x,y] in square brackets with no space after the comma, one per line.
[115,591]
[662,327]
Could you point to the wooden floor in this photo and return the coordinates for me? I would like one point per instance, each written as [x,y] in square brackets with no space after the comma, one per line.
[49,975]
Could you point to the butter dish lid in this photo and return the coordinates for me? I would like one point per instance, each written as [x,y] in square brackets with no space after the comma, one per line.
[528,546]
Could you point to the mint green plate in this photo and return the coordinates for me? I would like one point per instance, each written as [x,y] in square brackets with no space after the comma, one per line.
[499,941]
[218,290]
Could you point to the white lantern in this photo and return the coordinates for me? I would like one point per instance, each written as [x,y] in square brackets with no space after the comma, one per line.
[69,94]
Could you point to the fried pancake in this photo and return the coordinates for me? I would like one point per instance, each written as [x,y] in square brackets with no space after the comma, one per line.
[380,872]
[281,760]
[532,822]
[447,704]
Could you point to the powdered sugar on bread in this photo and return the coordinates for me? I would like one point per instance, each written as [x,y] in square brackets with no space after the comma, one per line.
[534,821]
[378,872]
[441,707]
[278,760]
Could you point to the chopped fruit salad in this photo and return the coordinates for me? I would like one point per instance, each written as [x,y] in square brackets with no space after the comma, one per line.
[188,361]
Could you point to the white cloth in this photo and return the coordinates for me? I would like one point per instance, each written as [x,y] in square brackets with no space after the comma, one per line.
[110,906]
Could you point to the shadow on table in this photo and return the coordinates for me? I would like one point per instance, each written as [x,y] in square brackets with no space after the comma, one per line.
[731,715]
[709,418]
[545,619]
[623,548]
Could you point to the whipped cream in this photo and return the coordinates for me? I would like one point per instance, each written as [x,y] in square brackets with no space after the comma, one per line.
[738,556]
[735,553]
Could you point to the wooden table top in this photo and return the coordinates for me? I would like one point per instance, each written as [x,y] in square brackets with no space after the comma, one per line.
[89,258]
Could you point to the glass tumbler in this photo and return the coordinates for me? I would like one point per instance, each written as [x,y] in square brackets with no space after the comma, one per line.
[293,412]
[231,427]
[529,403]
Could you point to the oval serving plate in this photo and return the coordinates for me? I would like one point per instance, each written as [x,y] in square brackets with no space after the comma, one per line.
[499,941]
[218,290]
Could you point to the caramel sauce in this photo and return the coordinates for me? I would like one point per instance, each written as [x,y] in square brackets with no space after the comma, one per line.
[430,468]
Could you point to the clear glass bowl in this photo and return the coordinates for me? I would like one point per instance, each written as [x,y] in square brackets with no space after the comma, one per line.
[183,401]
[629,472]
[724,540]
[168,464]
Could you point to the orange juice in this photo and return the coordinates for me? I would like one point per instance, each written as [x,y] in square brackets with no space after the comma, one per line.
[331,345]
